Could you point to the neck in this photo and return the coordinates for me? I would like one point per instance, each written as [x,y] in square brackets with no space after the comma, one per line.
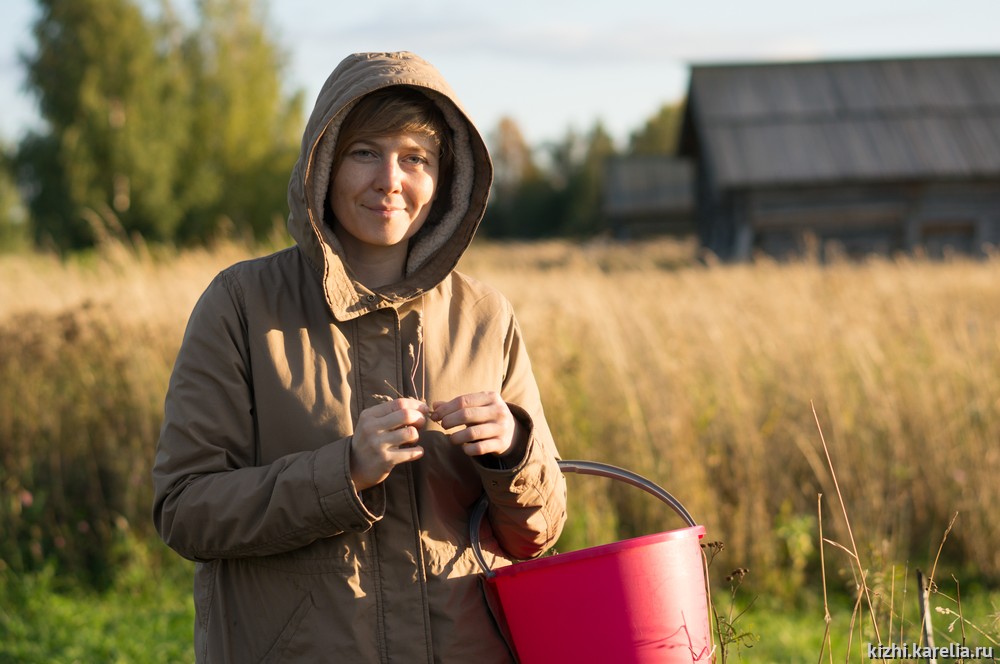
[374,266]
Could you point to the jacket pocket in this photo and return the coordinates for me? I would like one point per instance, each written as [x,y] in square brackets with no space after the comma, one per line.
[254,614]
[277,651]
[204,593]
[204,590]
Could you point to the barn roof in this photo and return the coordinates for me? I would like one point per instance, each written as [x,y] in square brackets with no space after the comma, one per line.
[819,122]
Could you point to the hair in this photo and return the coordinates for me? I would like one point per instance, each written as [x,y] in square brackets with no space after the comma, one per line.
[397,110]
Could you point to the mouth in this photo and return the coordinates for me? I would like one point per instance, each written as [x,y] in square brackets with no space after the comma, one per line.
[382,209]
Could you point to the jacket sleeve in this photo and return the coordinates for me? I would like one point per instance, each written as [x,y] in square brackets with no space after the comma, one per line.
[211,498]
[528,501]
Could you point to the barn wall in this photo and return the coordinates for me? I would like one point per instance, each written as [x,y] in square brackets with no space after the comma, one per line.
[955,216]
[861,219]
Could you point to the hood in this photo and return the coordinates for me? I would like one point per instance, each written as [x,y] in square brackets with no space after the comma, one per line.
[436,249]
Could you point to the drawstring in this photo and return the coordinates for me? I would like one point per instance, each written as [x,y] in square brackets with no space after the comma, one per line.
[416,354]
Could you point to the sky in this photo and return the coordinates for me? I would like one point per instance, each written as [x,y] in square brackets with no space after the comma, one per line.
[556,65]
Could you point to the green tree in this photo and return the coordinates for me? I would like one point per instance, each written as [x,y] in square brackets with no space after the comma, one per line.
[114,120]
[585,184]
[575,169]
[522,201]
[13,215]
[245,131]
[660,133]
[155,129]
[561,198]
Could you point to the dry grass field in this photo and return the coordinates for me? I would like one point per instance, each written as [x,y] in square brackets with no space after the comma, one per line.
[705,377]
[702,377]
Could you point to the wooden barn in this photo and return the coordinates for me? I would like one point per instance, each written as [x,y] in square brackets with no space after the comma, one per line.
[648,195]
[862,156]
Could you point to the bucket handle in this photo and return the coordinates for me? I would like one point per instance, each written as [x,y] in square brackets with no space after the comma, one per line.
[580,468]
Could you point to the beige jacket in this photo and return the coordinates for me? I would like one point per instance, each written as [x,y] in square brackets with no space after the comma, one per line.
[281,354]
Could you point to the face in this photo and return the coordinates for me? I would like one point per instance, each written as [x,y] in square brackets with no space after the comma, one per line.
[382,191]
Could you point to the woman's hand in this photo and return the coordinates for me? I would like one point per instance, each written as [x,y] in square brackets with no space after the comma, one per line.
[490,428]
[385,437]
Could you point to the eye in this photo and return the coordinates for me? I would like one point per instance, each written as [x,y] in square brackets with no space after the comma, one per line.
[363,153]
[416,159]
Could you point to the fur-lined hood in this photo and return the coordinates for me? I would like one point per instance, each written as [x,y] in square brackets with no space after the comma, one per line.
[437,248]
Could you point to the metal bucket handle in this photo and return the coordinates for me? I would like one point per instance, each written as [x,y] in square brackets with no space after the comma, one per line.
[581,468]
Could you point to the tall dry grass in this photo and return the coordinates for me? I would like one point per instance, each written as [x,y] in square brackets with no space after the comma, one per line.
[699,377]
[702,378]
[86,348]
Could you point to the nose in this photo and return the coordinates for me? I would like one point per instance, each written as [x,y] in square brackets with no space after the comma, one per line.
[388,179]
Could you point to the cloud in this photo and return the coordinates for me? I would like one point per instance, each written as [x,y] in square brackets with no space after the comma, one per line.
[563,42]
[559,43]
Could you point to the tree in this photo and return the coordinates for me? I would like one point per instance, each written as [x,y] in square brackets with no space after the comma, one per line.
[564,198]
[512,159]
[153,129]
[13,216]
[245,131]
[114,117]
[576,166]
[660,133]
[522,200]
[585,184]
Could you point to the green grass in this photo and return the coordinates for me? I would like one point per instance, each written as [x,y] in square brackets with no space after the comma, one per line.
[147,615]
[773,630]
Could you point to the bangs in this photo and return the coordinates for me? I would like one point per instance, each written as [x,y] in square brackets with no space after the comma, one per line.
[392,111]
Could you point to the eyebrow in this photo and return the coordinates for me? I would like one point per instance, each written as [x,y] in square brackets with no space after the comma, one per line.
[409,145]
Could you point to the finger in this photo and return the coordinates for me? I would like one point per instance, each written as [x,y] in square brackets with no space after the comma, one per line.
[484,415]
[403,418]
[407,454]
[444,408]
[372,460]
[393,456]
[440,409]
[378,437]
[478,432]
[393,415]
[404,436]
[396,405]
[487,446]
[491,412]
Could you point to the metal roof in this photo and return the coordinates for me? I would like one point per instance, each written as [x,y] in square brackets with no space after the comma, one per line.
[816,122]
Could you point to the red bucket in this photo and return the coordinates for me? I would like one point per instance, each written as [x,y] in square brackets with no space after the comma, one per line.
[639,600]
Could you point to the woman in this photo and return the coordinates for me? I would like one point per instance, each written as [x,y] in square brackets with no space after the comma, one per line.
[338,408]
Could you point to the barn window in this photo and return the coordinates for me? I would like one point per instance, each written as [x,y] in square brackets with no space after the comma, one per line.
[939,238]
